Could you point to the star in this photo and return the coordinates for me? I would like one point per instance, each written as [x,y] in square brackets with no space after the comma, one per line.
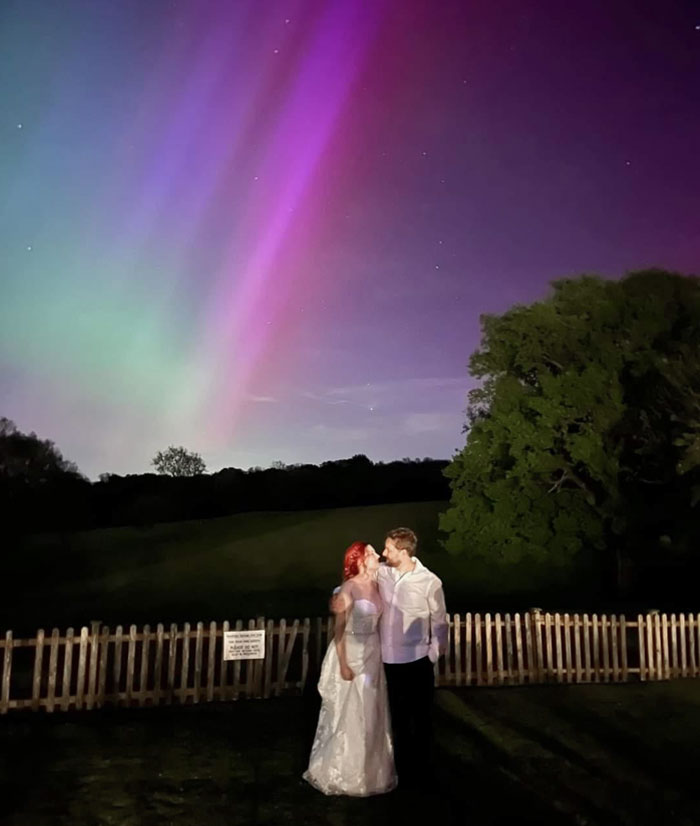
[20,125]
[277,51]
[29,248]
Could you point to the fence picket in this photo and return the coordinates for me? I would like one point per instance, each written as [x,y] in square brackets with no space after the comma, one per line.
[172,656]
[548,644]
[692,662]
[211,661]
[236,689]
[185,669]
[226,665]
[158,665]
[118,653]
[568,666]
[674,646]
[143,675]
[199,642]
[130,664]
[577,648]
[498,622]
[682,645]
[468,648]
[558,649]
[102,668]
[597,659]
[533,646]
[6,674]
[478,669]
[659,666]
[67,671]
[92,669]
[614,649]
[446,659]
[488,649]
[520,678]
[249,669]
[651,651]
[269,632]
[53,669]
[604,637]
[508,627]
[304,652]
[36,679]
[457,621]
[82,660]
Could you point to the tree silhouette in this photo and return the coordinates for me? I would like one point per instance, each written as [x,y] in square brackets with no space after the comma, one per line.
[26,457]
[585,432]
[178,461]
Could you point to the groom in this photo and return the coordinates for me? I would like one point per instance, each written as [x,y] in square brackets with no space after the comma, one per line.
[413,634]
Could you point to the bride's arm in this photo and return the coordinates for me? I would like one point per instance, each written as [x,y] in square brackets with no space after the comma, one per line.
[344,604]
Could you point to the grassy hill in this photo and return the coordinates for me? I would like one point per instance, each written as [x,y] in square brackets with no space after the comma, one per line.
[266,563]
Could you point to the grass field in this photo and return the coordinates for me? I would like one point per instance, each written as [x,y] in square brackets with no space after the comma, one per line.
[581,755]
[272,564]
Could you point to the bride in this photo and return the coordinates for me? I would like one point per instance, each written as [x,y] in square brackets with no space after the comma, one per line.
[352,752]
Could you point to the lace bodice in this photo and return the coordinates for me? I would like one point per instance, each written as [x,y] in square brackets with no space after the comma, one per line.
[364,617]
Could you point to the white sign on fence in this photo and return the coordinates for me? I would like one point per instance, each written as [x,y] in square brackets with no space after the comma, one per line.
[244,645]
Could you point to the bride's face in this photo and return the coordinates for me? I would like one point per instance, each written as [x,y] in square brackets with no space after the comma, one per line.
[371,560]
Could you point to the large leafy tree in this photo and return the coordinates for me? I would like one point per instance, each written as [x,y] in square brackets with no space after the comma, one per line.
[584,433]
[178,461]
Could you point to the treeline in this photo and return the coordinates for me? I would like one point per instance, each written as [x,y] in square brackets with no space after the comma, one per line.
[67,502]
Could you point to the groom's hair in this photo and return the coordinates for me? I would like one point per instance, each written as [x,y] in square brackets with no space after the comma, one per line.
[404,539]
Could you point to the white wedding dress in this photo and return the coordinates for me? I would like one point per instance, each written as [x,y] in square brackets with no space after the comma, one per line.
[352,752]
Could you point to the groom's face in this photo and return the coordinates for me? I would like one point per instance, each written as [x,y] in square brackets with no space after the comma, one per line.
[392,554]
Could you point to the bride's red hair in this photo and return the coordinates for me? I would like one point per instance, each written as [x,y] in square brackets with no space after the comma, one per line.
[353,556]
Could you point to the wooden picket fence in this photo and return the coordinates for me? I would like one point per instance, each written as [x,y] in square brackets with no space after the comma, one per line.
[98,666]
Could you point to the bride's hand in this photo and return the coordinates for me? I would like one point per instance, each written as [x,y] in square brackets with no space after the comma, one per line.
[346,672]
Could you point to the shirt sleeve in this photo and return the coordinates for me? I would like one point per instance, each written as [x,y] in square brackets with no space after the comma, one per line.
[438,620]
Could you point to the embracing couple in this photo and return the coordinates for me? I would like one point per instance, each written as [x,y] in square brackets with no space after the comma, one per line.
[394,614]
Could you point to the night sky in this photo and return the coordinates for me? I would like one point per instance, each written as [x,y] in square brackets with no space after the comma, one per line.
[266,230]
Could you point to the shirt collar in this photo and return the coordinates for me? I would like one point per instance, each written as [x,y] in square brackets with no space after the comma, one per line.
[395,574]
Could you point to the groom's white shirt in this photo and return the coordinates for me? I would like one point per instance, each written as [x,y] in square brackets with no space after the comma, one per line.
[413,623]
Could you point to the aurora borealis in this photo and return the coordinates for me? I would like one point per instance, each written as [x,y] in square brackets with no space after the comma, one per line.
[266,229]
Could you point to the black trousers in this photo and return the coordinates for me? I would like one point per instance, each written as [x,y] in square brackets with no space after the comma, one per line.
[410,687]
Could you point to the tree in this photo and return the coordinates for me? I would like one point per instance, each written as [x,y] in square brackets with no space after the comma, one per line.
[26,458]
[585,431]
[178,461]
